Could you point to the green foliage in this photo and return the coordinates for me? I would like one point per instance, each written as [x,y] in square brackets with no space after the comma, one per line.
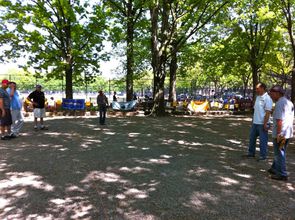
[53,35]
[221,43]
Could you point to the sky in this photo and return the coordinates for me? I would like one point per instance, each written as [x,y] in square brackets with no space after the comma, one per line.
[107,67]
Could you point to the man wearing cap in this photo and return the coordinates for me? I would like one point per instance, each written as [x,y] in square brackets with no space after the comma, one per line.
[16,107]
[283,118]
[5,114]
[102,102]
[37,98]
[260,124]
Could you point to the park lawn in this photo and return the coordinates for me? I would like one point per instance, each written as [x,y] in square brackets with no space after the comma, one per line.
[141,168]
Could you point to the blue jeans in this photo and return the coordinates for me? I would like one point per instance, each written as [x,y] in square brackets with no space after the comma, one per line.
[279,162]
[102,114]
[258,130]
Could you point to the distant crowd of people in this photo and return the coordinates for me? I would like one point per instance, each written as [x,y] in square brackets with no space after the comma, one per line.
[11,116]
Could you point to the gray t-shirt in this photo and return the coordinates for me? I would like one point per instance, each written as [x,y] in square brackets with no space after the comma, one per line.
[284,110]
[6,98]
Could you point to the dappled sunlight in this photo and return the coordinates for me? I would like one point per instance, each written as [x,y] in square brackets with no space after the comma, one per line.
[23,180]
[17,186]
[290,187]
[107,177]
[232,141]
[71,207]
[53,133]
[180,142]
[226,181]
[247,176]
[136,193]
[152,161]
[198,171]
[199,200]
[109,133]
[140,168]
[228,168]
[180,131]
[133,135]
[221,147]
[134,170]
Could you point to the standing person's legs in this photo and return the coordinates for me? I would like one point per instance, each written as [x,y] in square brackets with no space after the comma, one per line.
[42,116]
[14,119]
[36,123]
[36,116]
[263,138]
[104,115]
[100,115]
[252,142]
[18,123]
[8,122]
[279,164]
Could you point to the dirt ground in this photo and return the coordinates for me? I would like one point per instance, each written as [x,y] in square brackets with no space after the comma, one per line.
[140,168]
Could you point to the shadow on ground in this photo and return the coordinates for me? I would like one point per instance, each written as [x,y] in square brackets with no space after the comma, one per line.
[140,168]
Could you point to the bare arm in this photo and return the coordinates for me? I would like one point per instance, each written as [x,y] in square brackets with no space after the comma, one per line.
[2,107]
[266,119]
[1,104]
[12,91]
[279,126]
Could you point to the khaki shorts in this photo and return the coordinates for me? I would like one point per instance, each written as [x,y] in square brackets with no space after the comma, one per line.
[39,113]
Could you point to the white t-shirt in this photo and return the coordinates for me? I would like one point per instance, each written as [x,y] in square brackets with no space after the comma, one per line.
[262,104]
[284,111]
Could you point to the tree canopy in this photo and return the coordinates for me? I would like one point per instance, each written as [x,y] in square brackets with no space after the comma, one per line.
[216,44]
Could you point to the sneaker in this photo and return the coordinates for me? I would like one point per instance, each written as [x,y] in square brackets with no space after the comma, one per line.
[261,159]
[4,138]
[43,128]
[271,171]
[35,127]
[12,135]
[277,177]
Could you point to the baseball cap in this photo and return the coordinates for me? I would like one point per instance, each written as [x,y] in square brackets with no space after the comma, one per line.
[5,81]
[278,89]
[38,86]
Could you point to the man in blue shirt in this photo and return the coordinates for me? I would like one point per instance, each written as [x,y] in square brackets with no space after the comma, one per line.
[283,119]
[16,107]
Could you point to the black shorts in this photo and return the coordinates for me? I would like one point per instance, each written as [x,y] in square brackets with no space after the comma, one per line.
[7,119]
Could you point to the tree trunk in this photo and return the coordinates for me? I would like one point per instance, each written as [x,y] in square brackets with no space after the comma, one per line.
[293,84]
[130,52]
[160,95]
[69,81]
[254,79]
[159,47]
[68,58]
[287,10]
[173,71]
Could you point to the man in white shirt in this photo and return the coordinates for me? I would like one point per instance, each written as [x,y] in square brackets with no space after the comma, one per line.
[283,118]
[260,124]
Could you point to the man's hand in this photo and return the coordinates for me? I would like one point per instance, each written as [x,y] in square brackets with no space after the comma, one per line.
[266,127]
[281,140]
